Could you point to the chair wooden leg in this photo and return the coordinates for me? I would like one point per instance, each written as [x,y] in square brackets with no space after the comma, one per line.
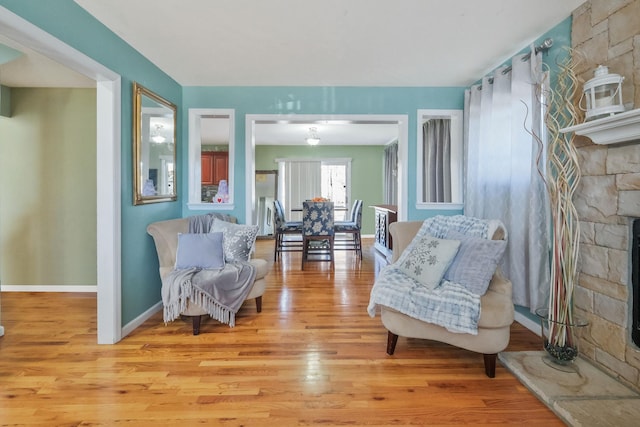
[490,364]
[196,324]
[259,304]
[392,339]
[278,248]
[331,251]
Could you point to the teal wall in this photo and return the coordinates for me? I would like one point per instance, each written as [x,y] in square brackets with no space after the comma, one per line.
[366,169]
[68,22]
[317,100]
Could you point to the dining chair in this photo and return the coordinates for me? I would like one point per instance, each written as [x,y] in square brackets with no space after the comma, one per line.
[284,228]
[317,232]
[352,228]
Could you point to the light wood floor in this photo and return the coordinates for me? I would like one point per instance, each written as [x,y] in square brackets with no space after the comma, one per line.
[312,357]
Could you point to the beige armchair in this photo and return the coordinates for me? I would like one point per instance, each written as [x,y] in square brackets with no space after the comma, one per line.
[165,236]
[496,316]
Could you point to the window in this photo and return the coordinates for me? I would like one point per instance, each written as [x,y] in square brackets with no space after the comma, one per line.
[211,146]
[439,159]
[303,179]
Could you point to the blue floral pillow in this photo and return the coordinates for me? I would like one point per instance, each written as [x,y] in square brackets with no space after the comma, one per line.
[428,259]
[199,250]
[238,239]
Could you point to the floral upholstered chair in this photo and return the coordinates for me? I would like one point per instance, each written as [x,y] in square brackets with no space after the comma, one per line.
[317,232]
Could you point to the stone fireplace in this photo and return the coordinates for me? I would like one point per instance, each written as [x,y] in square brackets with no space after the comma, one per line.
[607,32]
[635,282]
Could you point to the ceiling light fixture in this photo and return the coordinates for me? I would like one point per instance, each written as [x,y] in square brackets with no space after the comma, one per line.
[312,138]
[156,137]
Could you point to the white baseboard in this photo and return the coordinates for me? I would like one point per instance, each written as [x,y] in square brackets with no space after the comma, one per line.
[129,327]
[531,325]
[49,288]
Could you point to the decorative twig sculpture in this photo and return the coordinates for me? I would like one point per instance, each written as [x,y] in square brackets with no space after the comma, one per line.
[563,175]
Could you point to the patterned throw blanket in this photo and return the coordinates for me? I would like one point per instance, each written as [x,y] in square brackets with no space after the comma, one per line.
[449,305]
[219,292]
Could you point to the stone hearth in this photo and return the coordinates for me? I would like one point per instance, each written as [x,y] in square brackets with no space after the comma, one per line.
[586,397]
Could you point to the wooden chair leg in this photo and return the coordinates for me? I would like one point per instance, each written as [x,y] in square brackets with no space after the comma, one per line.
[490,364]
[392,339]
[196,325]
[331,252]
[259,304]
[275,249]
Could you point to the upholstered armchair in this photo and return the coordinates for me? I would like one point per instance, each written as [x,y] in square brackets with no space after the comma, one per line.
[495,317]
[165,237]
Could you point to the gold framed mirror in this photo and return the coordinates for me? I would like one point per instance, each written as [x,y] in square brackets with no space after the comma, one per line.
[154,147]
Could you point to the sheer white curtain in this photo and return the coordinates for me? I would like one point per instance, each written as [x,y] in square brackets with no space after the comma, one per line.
[502,179]
[300,180]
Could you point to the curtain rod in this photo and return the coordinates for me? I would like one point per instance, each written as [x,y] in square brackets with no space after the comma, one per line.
[544,46]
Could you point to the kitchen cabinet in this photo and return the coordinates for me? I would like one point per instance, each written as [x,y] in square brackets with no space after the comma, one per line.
[215,167]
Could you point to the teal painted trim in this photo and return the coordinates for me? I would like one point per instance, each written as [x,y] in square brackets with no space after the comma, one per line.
[8,54]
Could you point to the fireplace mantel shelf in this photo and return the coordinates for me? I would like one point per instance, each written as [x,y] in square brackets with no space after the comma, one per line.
[622,127]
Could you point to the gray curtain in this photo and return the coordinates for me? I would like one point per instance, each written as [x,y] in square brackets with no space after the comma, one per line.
[391,174]
[436,185]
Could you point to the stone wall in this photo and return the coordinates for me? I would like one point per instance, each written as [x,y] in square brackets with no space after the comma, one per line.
[607,32]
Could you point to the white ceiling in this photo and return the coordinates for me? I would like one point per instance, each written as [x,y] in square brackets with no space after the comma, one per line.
[328,42]
[427,43]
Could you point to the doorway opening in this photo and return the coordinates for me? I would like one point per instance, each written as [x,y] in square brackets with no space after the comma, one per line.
[400,123]
[108,191]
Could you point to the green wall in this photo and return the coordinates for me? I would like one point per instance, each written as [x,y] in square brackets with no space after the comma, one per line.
[48,191]
[366,170]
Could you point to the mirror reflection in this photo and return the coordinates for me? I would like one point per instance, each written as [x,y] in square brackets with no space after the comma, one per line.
[154,147]
[214,159]
[440,159]
[211,148]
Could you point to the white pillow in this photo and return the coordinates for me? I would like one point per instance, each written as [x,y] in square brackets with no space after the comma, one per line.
[428,259]
[237,239]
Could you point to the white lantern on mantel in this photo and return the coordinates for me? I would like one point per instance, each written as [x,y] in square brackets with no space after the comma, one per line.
[603,94]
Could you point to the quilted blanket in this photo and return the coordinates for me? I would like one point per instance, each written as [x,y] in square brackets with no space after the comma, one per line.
[449,305]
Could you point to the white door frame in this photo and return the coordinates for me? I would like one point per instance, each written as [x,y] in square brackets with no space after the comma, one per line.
[108,191]
[402,120]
